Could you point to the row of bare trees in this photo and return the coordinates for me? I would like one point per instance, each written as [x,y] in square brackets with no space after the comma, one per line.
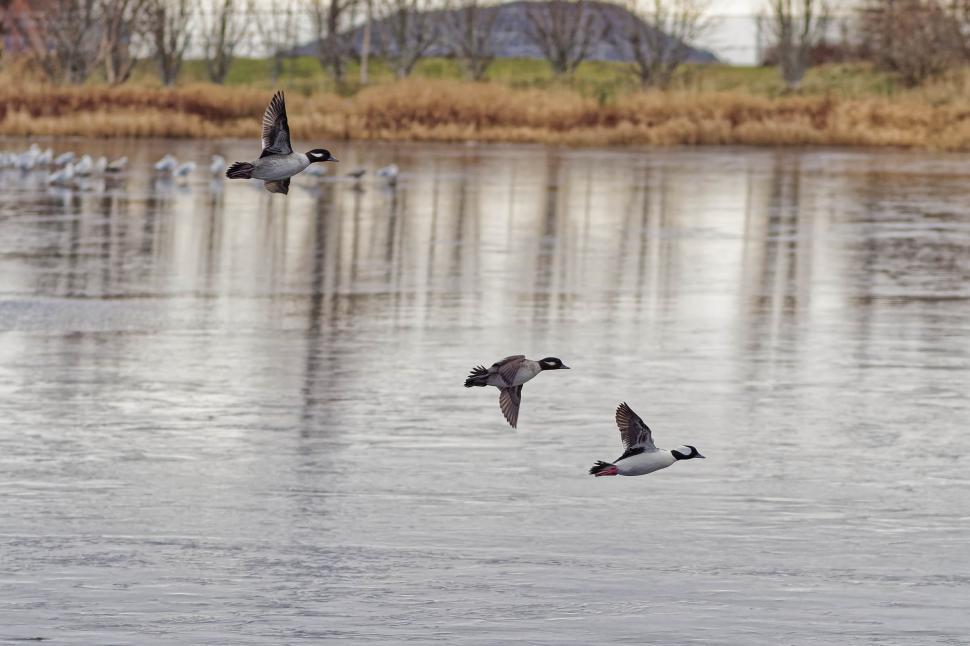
[70,39]
[914,39]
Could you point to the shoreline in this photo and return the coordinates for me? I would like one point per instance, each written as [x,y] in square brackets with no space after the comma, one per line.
[450,111]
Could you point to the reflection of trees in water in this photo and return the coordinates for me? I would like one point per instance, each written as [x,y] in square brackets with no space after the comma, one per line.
[773,238]
[107,206]
[907,261]
[214,206]
[912,242]
[315,313]
[546,240]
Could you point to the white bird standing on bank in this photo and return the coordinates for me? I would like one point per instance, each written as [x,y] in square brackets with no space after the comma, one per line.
[508,375]
[101,165]
[63,176]
[166,164]
[389,173]
[641,455]
[84,167]
[277,162]
[217,165]
[64,158]
[27,160]
[117,165]
[184,169]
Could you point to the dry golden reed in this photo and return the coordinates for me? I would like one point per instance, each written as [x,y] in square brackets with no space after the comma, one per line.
[429,110]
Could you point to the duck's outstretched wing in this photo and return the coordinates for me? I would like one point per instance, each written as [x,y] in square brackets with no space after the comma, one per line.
[276,131]
[278,186]
[636,435]
[509,400]
[508,367]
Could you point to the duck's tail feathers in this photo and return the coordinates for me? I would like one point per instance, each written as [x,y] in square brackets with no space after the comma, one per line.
[240,170]
[603,469]
[477,377]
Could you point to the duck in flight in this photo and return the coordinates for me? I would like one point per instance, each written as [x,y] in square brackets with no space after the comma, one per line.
[277,163]
[641,455]
[508,375]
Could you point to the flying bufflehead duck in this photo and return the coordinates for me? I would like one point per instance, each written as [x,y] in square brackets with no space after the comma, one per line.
[641,455]
[277,163]
[508,375]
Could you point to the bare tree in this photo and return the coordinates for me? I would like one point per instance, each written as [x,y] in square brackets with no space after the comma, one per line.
[333,36]
[365,40]
[63,37]
[565,31]
[122,24]
[469,31]
[277,29]
[4,27]
[916,39]
[659,39]
[222,31]
[406,33]
[168,30]
[796,27]
[960,11]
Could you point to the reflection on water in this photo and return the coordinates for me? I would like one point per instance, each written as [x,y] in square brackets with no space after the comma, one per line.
[233,417]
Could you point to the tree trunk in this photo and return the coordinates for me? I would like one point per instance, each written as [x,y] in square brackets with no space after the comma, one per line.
[365,46]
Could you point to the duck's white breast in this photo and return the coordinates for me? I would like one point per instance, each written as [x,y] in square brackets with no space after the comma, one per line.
[647,462]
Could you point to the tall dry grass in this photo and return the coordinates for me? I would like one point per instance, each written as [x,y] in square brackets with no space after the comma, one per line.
[428,110]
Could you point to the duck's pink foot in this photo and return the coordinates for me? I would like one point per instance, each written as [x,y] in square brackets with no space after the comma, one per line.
[608,471]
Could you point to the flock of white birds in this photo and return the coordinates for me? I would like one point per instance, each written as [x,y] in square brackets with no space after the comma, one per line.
[66,169]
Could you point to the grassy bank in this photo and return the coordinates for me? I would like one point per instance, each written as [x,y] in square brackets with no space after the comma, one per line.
[713,110]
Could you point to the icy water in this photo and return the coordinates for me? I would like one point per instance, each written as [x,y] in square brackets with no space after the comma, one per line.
[228,417]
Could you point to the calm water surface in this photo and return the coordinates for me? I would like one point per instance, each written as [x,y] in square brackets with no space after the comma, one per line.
[228,417]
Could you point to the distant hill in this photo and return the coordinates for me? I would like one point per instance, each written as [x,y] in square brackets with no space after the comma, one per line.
[512,37]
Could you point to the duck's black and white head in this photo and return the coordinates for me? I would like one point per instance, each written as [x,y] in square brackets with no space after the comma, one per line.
[552,363]
[686,452]
[320,155]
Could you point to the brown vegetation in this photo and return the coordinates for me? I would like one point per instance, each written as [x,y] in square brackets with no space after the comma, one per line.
[426,110]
